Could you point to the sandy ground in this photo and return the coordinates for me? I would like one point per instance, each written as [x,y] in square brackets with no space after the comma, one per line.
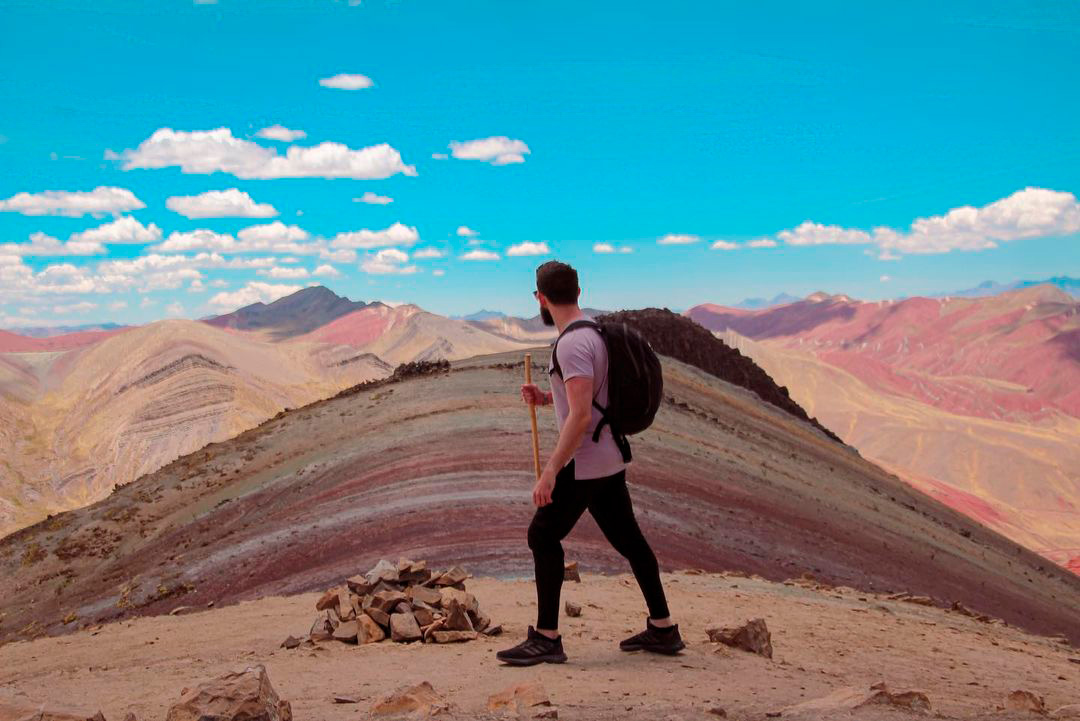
[823,639]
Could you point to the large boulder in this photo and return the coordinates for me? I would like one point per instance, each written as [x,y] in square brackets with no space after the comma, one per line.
[237,696]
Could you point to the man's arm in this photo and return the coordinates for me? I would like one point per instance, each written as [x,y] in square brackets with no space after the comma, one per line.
[579,398]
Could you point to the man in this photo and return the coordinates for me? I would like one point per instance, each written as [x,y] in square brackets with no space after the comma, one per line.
[582,474]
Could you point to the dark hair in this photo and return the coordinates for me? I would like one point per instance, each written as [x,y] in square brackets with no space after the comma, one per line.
[558,281]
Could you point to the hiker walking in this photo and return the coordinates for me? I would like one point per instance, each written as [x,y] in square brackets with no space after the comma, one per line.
[594,410]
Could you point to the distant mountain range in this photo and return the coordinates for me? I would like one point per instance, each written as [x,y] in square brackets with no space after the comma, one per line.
[50,331]
[990,287]
[973,399]
[295,314]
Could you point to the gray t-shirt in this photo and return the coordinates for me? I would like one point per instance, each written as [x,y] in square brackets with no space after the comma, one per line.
[582,353]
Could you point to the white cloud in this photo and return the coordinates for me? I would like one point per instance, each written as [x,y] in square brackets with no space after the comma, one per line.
[678,239]
[219,283]
[761,243]
[884,279]
[254,292]
[198,239]
[280,132]
[147,302]
[342,255]
[208,151]
[496,150]
[480,255]
[529,247]
[231,203]
[118,305]
[440,272]
[81,307]
[272,235]
[388,261]
[99,201]
[723,245]
[626,249]
[465,231]
[174,309]
[1028,213]
[428,253]
[808,233]
[345,81]
[121,230]
[396,234]
[374,199]
[439,156]
[603,248]
[41,245]
[326,270]
[284,273]
[196,286]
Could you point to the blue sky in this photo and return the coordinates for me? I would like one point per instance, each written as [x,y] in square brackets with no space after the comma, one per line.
[798,129]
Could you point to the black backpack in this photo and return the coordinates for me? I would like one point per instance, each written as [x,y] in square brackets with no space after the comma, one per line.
[635,381]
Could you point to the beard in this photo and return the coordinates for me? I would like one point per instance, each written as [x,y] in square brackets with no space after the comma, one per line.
[545,315]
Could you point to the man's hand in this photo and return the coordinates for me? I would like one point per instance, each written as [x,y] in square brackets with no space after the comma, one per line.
[543,489]
[531,393]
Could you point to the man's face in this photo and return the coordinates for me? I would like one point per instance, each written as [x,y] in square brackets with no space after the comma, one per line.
[545,314]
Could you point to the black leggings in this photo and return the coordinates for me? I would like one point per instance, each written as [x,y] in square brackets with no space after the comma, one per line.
[608,501]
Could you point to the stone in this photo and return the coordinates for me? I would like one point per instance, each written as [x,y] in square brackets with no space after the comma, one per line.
[524,699]
[419,701]
[383,571]
[321,630]
[457,618]
[327,600]
[718,711]
[465,599]
[423,594]
[291,642]
[479,621]
[1020,700]
[404,628]
[245,695]
[493,630]
[347,631]
[15,706]
[1071,710]
[751,636]
[368,631]
[359,585]
[452,577]
[424,616]
[571,573]
[380,617]
[573,609]
[415,572]
[921,600]
[453,636]
[962,609]
[387,600]
[848,698]
[341,698]
[344,606]
[429,631]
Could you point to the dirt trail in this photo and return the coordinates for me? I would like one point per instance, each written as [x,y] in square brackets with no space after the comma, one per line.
[822,639]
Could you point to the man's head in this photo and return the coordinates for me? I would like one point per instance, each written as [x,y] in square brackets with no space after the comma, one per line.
[556,284]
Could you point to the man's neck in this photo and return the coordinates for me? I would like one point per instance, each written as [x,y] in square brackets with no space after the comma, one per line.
[564,317]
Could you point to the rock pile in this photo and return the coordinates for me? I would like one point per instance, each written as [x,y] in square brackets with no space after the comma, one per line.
[405,602]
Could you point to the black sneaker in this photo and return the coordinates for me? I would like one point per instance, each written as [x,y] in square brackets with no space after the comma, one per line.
[655,639]
[536,648]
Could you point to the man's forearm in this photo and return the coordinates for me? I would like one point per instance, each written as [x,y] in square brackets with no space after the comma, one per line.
[570,437]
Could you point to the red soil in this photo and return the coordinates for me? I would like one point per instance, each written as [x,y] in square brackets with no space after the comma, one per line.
[15,343]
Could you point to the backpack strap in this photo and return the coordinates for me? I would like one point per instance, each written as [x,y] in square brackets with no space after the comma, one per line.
[620,440]
[555,346]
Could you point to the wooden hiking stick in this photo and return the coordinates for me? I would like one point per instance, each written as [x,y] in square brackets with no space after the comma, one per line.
[532,416]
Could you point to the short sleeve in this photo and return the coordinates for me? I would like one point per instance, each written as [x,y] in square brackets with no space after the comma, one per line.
[575,356]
